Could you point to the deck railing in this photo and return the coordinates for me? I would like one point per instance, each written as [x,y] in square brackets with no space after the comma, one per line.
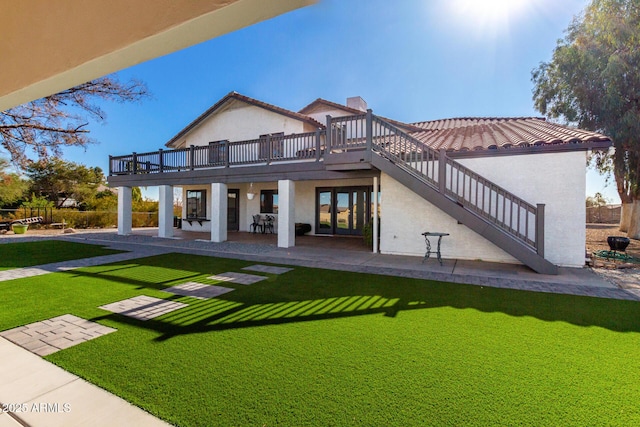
[265,150]
[362,132]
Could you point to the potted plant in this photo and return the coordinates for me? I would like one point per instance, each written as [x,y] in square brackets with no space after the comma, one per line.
[19,228]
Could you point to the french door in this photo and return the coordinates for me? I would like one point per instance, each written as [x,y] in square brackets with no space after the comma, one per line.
[233,210]
[342,210]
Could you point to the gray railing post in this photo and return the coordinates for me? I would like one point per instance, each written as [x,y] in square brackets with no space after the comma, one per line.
[161,161]
[540,229]
[192,157]
[318,145]
[268,143]
[369,136]
[328,147]
[226,153]
[110,165]
[135,163]
[442,171]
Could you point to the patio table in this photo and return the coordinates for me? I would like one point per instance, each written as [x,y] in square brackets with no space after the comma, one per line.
[427,254]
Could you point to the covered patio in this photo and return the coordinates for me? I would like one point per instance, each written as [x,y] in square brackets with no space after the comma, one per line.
[350,243]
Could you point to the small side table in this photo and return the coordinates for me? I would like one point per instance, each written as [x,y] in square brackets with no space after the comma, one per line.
[428,243]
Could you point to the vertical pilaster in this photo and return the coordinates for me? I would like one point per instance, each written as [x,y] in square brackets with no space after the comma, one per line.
[124,211]
[375,214]
[286,214]
[165,211]
[218,210]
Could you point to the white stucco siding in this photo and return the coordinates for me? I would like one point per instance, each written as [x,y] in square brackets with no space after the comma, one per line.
[321,116]
[241,122]
[405,216]
[555,179]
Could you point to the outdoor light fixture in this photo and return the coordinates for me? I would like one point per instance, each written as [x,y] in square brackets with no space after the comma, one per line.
[251,194]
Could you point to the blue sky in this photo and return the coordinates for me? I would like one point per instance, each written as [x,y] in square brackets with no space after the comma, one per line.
[410,60]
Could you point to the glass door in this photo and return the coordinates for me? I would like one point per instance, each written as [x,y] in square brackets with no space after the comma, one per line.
[233,210]
[343,210]
[324,212]
[344,213]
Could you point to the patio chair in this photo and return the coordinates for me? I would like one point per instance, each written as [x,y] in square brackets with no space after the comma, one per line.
[256,224]
[268,224]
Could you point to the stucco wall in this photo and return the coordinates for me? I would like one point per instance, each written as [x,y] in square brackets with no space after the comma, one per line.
[241,122]
[321,115]
[555,179]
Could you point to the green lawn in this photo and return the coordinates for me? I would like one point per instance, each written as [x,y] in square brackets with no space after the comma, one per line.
[318,348]
[27,254]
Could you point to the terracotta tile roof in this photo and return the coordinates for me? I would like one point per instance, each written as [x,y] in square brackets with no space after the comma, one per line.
[248,100]
[485,133]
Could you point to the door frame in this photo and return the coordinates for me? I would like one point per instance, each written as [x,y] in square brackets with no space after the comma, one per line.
[233,226]
[350,190]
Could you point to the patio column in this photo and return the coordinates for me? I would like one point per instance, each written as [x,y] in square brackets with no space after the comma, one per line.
[165,211]
[375,214]
[218,212]
[124,211]
[286,214]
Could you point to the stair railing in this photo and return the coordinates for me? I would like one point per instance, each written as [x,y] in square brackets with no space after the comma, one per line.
[512,214]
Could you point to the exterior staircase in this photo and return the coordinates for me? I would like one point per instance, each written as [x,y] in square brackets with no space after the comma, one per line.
[499,216]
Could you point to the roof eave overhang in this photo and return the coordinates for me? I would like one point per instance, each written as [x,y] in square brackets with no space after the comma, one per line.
[532,149]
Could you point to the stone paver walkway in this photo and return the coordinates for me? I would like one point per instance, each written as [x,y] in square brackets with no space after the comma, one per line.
[268,269]
[20,273]
[198,290]
[143,307]
[58,333]
[239,278]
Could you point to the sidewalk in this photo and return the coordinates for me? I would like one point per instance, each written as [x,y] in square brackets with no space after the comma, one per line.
[40,394]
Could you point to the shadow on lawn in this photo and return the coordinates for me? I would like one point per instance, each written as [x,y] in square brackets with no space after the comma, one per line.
[313,294]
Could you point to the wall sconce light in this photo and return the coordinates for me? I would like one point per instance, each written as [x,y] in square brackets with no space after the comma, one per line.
[250,193]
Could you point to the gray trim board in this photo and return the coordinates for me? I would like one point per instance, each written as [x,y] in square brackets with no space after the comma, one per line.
[302,171]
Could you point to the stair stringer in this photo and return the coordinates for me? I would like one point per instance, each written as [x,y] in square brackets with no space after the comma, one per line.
[484,228]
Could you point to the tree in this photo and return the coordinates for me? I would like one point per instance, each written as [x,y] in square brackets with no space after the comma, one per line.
[597,200]
[43,127]
[593,81]
[12,186]
[58,181]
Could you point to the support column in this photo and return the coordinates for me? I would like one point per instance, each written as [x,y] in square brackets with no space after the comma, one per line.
[375,214]
[286,214]
[218,209]
[124,211]
[165,211]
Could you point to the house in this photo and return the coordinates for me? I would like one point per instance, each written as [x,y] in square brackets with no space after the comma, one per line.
[504,189]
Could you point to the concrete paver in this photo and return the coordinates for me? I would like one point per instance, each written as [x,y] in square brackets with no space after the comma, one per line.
[198,290]
[143,307]
[239,278]
[47,337]
[271,269]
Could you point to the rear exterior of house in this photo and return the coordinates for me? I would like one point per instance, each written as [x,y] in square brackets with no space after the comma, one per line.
[505,190]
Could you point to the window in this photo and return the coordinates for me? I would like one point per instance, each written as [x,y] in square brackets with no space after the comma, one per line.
[269,201]
[196,204]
